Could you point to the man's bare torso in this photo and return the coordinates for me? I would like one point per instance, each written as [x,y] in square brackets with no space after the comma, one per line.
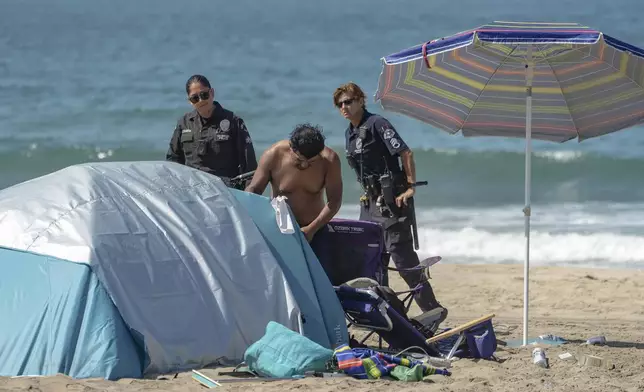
[304,188]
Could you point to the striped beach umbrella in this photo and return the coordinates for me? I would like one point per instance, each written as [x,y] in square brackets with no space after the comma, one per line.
[546,81]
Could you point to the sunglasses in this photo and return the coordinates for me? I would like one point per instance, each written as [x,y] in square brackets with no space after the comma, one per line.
[203,95]
[346,102]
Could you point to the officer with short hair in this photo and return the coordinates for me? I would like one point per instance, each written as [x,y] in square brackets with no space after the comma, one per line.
[211,138]
[373,149]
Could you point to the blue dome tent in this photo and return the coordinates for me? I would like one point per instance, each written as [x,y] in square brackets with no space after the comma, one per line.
[122,269]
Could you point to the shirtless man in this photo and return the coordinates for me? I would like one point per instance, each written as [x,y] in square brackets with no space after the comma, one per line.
[301,169]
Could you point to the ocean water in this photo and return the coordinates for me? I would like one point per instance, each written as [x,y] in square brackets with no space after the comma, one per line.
[104,80]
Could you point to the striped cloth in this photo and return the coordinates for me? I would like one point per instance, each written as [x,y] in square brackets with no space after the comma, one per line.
[584,83]
[365,363]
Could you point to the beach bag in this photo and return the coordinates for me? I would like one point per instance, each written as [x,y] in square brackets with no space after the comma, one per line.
[481,340]
[285,353]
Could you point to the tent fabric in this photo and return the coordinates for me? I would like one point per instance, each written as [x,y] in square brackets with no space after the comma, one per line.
[57,318]
[322,314]
[187,268]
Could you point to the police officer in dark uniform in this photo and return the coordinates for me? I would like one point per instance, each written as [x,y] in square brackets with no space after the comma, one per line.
[211,138]
[373,150]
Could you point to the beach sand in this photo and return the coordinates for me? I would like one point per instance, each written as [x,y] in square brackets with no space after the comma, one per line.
[573,303]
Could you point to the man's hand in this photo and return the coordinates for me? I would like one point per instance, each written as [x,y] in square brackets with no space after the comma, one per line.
[333,185]
[308,233]
[402,198]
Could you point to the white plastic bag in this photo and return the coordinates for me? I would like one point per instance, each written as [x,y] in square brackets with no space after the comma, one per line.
[282,215]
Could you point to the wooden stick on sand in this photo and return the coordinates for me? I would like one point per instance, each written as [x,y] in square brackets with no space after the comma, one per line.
[459,329]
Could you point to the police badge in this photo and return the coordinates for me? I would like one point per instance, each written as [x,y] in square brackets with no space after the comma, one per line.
[224,125]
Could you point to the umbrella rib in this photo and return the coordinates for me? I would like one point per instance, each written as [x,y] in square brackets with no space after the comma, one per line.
[625,75]
[572,118]
[610,64]
[579,49]
[478,97]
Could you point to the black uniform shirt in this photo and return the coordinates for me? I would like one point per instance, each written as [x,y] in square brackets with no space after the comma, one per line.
[220,145]
[380,148]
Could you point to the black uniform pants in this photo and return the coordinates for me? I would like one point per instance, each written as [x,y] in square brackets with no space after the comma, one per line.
[399,244]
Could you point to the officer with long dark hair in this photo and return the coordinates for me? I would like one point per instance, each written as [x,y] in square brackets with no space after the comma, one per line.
[374,150]
[211,138]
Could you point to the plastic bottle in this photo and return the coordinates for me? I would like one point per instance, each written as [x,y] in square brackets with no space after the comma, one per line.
[439,362]
[539,357]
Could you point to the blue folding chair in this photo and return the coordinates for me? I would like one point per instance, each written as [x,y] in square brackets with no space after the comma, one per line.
[356,261]
[365,308]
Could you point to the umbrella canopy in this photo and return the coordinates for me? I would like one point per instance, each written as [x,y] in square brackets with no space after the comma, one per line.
[548,81]
[584,83]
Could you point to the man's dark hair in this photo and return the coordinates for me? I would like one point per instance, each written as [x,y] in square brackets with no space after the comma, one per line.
[307,140]
[197,79]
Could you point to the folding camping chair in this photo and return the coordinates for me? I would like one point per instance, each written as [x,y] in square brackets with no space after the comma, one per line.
[355,249]
[365,308]
[358,252]
[357,266]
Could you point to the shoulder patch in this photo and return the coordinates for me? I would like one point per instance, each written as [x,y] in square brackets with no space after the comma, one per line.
[394,142]
[241,124]
[388,134]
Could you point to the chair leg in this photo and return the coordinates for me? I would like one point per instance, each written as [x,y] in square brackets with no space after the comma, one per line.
[410,299]
[456,344]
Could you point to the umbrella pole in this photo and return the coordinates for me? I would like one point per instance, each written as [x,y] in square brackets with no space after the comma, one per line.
[526,211]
